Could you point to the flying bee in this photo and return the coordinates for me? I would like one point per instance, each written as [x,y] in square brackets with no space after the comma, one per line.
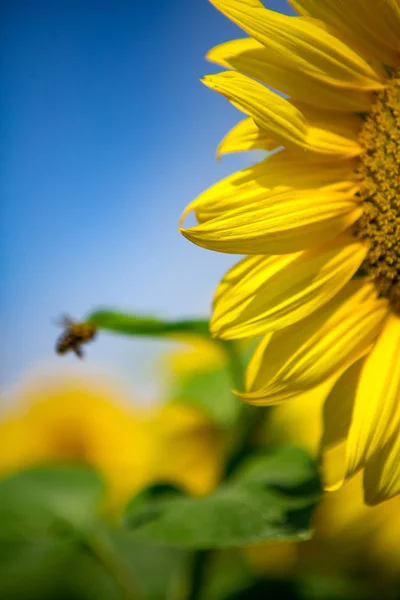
[74,335]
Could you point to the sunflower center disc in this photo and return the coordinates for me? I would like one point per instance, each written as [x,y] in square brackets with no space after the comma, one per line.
[379,172]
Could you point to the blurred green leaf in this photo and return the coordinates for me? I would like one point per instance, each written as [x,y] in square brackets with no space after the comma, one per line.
[209,390]
[260,504]
[228,571]
[288,468]
[49,517]
[146,326]
[30,570]
[53,570]
[159,571]
[48,502]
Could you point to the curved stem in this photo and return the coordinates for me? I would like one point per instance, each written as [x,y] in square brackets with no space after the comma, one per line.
[251,418]
[235,364]
[200,562]
[101,546]
[249,421]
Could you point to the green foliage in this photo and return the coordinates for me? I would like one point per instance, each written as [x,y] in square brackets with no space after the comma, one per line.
[159,571]
[54,545]
[285,467]
[257,505]
[45,515]
[228,571]
[48,502]
[53,570]
[146,326]
[210,391]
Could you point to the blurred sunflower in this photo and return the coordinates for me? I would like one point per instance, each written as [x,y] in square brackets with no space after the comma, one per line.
[77,420]
[319,219]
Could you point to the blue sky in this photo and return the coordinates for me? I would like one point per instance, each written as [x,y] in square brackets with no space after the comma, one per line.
[107,134]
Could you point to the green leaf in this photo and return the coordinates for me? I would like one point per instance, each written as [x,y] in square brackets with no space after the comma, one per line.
[48,501]
[287,468]
[53,570]
[48,521]
[209,390]
[33,570]
[227,572]
[158,570]
[146,326]
[261,504]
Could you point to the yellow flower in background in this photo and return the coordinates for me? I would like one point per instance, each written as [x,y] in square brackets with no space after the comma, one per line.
[75,420]
[189,449]
[194,354]
[321,209]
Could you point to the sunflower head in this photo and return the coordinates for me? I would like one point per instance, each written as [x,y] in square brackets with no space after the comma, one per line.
[318,220]
[379,174]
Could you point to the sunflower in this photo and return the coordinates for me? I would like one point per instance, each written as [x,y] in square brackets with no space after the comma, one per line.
[84,421]
[319,220]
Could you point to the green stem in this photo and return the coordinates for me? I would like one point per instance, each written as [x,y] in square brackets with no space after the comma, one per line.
[148,326]
[200,562]
[251,418]
[249,421]
[101,546]
[235,364]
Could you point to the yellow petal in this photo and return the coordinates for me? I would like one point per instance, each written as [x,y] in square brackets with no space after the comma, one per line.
[333,467]
[252,58]
[246,135]
[270,111]
[282,223]
[345,124]
[337,413]
[376,411]
[280,118]
[279,171]
[307,353]
[338,408]
[301,45]
[382,472]
[371,27]
[277,291]
[282,170]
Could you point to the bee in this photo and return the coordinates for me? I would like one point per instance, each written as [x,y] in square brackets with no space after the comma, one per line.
[74,335]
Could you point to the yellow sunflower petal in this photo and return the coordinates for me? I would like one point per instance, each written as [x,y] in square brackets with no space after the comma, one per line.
[373,27]
[279,118]
[382,472]
[338,408]
[301,45]
[246,135]
[337,413]
[277,291]
[346,125]
[252,58]
[376,407]
[333,467]
[284,222]
[300,357]
[283,170]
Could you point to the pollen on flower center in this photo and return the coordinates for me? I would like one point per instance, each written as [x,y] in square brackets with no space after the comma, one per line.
[379,173]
